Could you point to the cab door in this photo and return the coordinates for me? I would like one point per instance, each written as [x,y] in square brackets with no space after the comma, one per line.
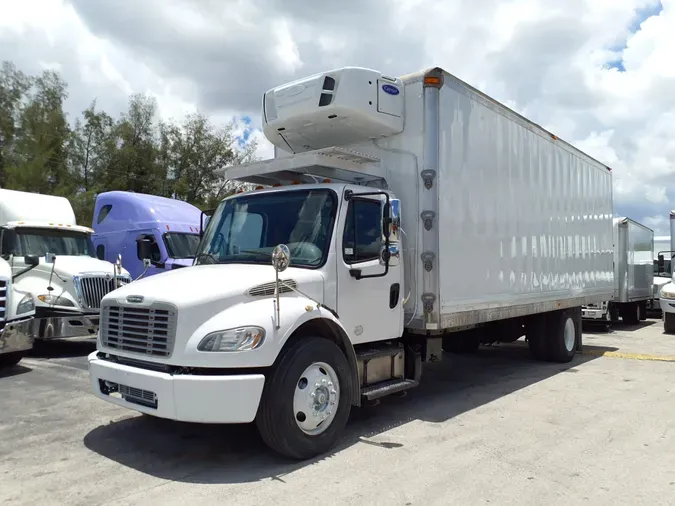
[369,302]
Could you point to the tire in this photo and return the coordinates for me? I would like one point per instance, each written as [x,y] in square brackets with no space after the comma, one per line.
[564,336]
[632,314]
[11,359]
[643,311]
[669,323]
[283,407]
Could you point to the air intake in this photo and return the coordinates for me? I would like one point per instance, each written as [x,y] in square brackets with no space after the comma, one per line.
[267,289]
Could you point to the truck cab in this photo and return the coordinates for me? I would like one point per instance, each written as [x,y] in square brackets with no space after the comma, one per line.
[53,258]
[17,309]
[170,227]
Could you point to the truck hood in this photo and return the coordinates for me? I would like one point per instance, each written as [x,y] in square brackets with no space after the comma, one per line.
[68,266]
[203,285]
[5,269]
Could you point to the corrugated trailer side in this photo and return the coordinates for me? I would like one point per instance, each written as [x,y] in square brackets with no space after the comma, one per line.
[635,268]
[523,219]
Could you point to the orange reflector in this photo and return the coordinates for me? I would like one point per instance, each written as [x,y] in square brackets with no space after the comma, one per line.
[326,180]
[259,187]
[276,184]
[295,182]
[432,80]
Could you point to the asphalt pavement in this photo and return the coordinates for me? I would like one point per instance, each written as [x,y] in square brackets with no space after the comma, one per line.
[495,427]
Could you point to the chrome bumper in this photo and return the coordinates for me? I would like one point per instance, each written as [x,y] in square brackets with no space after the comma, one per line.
[59,327]
[16,336]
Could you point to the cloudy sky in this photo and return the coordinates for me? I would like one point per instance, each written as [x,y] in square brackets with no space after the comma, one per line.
[598,73]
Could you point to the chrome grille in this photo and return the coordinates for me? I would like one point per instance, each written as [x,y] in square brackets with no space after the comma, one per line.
[93,288]
[268,288]
[3,303]
[145,330]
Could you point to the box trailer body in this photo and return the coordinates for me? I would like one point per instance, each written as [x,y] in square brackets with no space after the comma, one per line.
[633,275]
[123,219]
[53,258]
[17,309]
[427,217]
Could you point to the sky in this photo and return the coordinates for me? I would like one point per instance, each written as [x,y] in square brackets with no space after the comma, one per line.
[597,73]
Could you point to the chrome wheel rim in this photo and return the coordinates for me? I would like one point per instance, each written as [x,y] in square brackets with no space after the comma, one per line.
[316,398]
[569,334]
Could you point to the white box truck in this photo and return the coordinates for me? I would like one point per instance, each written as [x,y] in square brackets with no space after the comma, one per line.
[667,293]
[415,214]
[633,276]
[17,309]
[53,258]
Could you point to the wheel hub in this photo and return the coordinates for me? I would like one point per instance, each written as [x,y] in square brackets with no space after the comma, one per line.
[316,398]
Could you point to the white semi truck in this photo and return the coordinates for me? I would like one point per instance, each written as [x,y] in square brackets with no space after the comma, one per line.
[662,270]
[667,293]
[53,258]
[633,276]
[17,309]
[415,214]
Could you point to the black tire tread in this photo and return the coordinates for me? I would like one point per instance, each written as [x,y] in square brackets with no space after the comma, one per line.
[283,436]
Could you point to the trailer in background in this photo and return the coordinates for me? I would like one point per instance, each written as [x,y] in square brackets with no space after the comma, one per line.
[633,276]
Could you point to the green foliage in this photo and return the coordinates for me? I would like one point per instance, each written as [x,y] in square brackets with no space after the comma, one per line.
[42,152]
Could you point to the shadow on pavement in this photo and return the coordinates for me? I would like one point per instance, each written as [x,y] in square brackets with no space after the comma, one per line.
[63,348]
[15,370]
[196,453]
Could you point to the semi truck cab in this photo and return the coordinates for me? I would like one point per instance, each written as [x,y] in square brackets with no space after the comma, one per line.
[17,309]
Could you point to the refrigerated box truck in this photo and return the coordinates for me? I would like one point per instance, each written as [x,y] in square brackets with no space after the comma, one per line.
[633,276]
[415,214]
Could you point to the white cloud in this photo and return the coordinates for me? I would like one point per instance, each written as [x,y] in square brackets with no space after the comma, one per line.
[556,63]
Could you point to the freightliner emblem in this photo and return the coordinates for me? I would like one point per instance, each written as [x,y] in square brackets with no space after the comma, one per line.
[135,298]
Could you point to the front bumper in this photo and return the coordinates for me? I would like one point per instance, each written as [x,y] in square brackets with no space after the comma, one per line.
[594,314]
[63,325]
[186,398]
[667,305]
[16,336]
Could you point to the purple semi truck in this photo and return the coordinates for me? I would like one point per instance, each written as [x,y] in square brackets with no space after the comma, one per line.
[124,220]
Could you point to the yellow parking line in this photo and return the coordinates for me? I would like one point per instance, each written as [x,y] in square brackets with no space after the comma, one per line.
[629,356]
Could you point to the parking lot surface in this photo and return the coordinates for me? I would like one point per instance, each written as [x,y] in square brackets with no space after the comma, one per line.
[494,427]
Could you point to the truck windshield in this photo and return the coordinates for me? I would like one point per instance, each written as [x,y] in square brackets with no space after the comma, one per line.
[181,245]
[247,228]
[40,241]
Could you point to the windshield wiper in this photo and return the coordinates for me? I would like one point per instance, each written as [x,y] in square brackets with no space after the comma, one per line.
[214,260]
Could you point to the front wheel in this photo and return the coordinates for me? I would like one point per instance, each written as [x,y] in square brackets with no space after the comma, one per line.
[669,323]
[306,400]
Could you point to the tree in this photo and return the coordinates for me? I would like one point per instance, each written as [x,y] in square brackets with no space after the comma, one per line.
[41,138]
[196,150]
[91,145]
[14,85]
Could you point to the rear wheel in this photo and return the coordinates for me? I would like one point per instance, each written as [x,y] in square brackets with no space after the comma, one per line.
[669,323]
[553,336]
[306,400]
[632,314]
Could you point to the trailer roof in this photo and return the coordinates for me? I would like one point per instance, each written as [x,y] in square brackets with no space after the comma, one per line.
[438,72]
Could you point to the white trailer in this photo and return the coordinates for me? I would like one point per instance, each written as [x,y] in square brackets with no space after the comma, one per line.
[53,258]
[17,309]
[415,214]
[633,276]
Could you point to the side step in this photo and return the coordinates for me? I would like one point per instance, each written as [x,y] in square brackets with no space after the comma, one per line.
[385,388]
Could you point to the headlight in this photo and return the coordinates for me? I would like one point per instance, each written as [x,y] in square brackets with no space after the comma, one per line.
[239,339]
[27,304]
[55,300]
[668,293]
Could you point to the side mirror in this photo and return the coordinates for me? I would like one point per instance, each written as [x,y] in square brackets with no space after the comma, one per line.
[281,258]
[50,258]
[391,221]
[144,248]
[204,219]
[661,263]
[32,260]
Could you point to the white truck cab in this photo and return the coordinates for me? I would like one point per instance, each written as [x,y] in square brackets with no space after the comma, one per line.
[53,258]
[667,292]
[17,308]
[307,297]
